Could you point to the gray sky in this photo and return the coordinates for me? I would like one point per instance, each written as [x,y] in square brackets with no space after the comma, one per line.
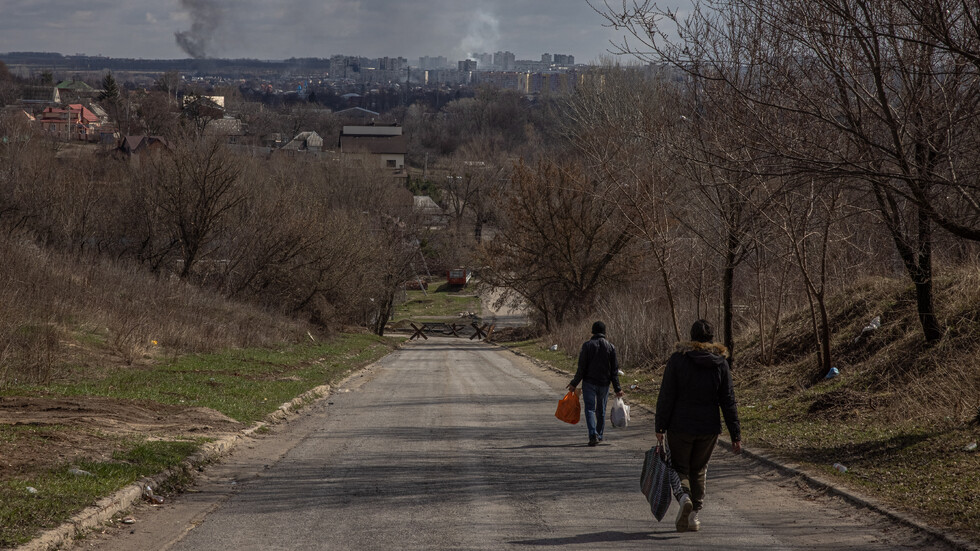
[278,29]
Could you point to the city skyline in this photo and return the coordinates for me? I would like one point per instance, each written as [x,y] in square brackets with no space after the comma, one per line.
[305,28]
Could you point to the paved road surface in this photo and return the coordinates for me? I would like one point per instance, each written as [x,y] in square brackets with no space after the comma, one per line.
[452,444]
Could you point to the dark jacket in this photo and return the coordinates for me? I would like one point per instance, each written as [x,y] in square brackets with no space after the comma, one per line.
[697,381]
[597,363]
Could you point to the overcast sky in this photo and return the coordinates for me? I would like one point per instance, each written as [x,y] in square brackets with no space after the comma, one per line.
[279,29]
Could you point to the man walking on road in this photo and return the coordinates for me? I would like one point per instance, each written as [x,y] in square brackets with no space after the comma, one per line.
[696,382]
[597,367]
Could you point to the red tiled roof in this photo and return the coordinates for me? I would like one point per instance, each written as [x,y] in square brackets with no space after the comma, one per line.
[87,115]
[54,114]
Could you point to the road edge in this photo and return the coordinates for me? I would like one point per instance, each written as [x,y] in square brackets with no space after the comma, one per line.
[815,481]
[123,499]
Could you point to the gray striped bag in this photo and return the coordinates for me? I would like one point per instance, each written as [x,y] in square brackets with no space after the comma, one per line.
[658,480]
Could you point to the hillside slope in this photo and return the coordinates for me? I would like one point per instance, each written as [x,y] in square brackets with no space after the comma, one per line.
[902,416]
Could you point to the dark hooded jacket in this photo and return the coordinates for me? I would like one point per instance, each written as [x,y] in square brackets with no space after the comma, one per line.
[597,363]
[697,382]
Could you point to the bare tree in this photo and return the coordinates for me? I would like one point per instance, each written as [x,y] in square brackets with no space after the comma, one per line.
[199,110]
[813,217]
[154,113]
[869,73]
[9,89]
[188,192]
[619,120]
[562,242]
[474,175]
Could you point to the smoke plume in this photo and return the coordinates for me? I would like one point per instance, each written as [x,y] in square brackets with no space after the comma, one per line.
[206,16]
[482,34]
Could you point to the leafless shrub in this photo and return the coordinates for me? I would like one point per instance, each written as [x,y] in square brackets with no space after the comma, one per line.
[49,298]
[562,242]
[35,347]
[638,323]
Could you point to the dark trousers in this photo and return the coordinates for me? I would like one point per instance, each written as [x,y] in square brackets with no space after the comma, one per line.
[689,454]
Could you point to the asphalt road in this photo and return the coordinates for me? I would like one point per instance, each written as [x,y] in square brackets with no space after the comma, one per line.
[453,444]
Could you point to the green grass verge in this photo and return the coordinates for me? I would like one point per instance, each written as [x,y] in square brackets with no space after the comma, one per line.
[435,306]
[58,494]
[537,349]
[909,465]
[245,385]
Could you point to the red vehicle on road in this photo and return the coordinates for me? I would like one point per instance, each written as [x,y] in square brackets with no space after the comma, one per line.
[458,276]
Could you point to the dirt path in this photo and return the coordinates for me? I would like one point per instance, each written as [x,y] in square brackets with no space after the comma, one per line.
[70,429]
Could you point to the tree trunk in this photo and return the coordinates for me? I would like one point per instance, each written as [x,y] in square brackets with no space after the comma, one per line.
[670,301]
[383,315]
[825,363]
[922,278]
[917,257]
[728,290]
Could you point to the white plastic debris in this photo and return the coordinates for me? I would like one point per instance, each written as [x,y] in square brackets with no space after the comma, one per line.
[151,497]
[870,328]
[553,348]
[840,468]
[972,446]
[31,490]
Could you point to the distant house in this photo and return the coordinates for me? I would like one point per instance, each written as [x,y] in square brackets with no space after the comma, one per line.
[137,145]
[431,213]
[202,110]
[75,90]
[31,94]
[101,114]
[383,144]
[308,142]
[76,122]
[230,129]
[357,113]
[215,102]
[275,140]
[353,99]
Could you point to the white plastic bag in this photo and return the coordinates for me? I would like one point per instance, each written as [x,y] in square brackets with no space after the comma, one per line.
[619,414]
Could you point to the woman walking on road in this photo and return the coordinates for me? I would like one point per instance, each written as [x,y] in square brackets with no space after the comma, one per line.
[696,383]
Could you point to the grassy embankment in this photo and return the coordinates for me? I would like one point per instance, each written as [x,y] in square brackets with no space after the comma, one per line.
[901,416]
[94,351]
[245,385]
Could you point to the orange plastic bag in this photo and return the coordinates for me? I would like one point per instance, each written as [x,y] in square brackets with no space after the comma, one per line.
[569,408]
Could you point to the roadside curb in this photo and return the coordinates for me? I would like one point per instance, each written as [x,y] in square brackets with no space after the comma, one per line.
[122,500]
[813,480]
[856,498]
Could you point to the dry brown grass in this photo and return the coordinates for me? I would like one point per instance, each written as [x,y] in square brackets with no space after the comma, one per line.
[640,330]
[896,374]
[51,303]
[891,376]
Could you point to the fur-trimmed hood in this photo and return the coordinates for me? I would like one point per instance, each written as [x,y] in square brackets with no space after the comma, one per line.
[715,348]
